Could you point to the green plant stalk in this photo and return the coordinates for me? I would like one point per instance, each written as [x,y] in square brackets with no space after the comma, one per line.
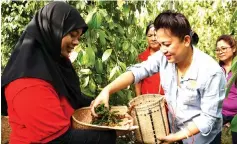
[233,126]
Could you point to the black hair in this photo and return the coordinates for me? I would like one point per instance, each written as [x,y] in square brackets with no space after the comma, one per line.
[150,25]
[177,23]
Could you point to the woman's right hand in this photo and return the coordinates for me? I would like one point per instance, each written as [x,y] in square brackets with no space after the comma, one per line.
[119,83]
[102,98]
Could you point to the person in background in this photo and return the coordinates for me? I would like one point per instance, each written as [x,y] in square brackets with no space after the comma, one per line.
[193,82]
[40,88]
[150,85]
[225,52]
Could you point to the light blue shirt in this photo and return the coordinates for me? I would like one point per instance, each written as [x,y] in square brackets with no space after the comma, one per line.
[198,98]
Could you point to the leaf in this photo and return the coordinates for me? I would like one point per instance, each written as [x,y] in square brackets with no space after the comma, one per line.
[77,48]
[90,56]
[92,86]
[234,64]
[87,92]
[85,58]
[120,3]
[99,66]
[129,95]
[234,75]
[233,125]
[86,81]
[106,54]
[73,56]
[108,35]
[233,23]
[120,93]
[96,20]
[104,12]
[125,45]
[113,72]
[126,9]
[120,97]
[120,29]
[131,58]
[90,15]
[102,36]
[123,66]
[98,79]
[85,71]
[80,58]
[111,26]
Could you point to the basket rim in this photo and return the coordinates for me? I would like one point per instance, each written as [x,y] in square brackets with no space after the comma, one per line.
[161,97]
[103,127]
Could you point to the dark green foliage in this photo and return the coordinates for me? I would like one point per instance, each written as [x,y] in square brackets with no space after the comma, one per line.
[116,34]
[15,17]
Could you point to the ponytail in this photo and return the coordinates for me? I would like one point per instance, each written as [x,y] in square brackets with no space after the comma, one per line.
[194,37]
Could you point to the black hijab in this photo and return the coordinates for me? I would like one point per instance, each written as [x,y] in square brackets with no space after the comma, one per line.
[37,53]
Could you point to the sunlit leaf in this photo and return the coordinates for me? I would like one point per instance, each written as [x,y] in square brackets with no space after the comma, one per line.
[122,65]
[106,54]
[233,23]
[85,58]
[90,15]
[90,56]
[113,72]
[125,45]
[86,81]
[85,71]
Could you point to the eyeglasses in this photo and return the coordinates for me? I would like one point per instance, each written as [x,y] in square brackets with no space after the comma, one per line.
[221,49]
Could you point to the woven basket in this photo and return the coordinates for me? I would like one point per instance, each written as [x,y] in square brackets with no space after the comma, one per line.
[82,118]
[5,130]
[150,115]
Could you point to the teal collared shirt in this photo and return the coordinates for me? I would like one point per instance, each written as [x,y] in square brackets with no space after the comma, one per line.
[198,98]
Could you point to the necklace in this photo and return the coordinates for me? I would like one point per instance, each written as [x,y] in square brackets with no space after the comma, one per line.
[183,72]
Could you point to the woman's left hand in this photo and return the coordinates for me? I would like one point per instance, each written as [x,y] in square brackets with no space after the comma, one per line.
[168,139]
[129,122]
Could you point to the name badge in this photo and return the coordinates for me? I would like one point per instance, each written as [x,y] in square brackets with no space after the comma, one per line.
[191,85]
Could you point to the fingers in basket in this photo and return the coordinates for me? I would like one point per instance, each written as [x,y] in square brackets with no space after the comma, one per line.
[92,106]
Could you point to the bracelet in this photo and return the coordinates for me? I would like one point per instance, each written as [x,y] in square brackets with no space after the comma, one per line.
[186,133]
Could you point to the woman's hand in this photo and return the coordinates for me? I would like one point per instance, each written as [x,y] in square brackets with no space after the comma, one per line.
[102,98]
[119,83]
[129,122]
[227,125]
[168,139]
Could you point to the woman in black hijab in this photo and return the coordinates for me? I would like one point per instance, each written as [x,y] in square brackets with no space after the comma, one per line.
[40,88]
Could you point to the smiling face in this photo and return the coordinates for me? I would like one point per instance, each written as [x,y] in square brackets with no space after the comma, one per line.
[224,51]
[152,41]
[69,41]
[174,49]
